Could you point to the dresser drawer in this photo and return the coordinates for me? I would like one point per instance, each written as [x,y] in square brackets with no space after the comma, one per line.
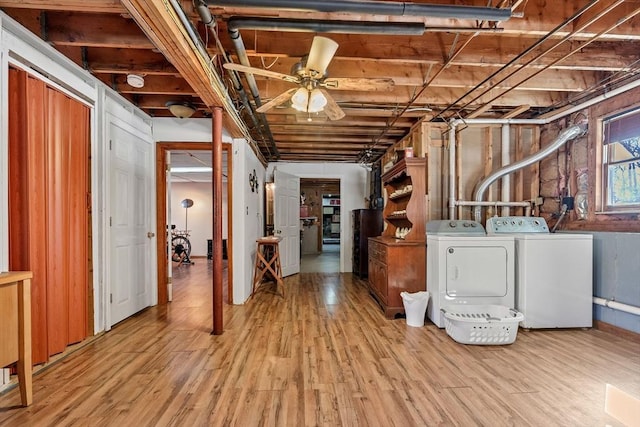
[377,251]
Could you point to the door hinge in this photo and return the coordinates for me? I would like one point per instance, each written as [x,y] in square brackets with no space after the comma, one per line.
[110,144]
[111,298]
[110,221]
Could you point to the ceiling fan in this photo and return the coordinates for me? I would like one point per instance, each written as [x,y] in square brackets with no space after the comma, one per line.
[311,75]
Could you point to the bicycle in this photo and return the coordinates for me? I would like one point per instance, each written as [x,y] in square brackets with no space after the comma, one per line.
[180,246]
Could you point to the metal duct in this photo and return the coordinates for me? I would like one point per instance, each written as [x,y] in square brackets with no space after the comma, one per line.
[320,26]
[568,134]
[258,120]
[376,8]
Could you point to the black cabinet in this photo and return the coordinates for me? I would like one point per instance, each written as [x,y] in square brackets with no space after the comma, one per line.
[366,223]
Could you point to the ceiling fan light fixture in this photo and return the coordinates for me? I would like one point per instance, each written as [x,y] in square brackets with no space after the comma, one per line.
[182,110]
[317,101]
[300,99]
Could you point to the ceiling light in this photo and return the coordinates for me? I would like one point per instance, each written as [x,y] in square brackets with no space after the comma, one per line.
[181,110]
[192,169]
[308,102]
[135,80]
[300,99]
[317,101]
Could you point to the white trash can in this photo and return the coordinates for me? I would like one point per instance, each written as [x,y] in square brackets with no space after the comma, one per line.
[415,307]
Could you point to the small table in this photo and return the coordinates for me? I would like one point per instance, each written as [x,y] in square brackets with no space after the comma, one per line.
[15,327]
[268,261]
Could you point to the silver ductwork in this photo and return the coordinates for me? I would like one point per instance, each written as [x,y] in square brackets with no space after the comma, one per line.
[567,135]
[478,13]
[258,120]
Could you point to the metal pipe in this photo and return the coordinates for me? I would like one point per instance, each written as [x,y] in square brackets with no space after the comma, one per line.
[568,134]
[452,172]
[525,205]
[479,13]
[522,54]
[490,203]
[321,26]
[456,122]
[627,308]
[259,122]
[505,160]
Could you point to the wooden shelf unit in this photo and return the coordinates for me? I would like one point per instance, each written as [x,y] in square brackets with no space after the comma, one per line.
[411,201]
[397,264]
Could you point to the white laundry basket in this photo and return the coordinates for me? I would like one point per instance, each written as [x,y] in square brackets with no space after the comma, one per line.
[415,307]
[481,324]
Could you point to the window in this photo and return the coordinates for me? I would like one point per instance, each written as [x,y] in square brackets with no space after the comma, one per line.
[621,161]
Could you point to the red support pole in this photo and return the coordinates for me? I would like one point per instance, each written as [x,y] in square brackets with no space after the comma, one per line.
[217,220]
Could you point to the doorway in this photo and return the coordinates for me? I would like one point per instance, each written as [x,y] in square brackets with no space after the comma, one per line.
[190,209]
[179,151]
[320,229]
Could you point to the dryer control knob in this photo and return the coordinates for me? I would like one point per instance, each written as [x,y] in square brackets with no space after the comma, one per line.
[452,224]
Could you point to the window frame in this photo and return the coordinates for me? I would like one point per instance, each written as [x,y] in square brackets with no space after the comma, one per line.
[604,164]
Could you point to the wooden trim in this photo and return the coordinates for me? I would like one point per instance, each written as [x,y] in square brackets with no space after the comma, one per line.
[617,331]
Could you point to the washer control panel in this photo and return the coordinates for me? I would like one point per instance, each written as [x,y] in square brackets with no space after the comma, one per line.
[458,226]
[516,224]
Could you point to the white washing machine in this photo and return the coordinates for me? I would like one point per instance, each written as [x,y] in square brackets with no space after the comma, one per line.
[465,266]
[554,273]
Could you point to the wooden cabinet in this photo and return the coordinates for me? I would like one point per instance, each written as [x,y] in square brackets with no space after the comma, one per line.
[366,223]
[397,257]
[395,266]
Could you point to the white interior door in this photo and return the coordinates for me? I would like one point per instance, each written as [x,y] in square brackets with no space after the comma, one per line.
[286,219]
[131,200]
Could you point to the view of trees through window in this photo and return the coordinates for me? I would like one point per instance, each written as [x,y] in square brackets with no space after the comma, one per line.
[621,160]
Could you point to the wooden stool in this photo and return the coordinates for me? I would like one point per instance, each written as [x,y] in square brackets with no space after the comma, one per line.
[268,261]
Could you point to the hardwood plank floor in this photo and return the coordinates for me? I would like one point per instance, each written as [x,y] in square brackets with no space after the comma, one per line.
[325,355]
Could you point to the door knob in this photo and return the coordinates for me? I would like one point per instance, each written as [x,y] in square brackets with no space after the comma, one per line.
[151,234]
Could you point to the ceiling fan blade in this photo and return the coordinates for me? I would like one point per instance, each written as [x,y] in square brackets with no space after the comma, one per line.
[261,72]
[280,99]
[358,84]
[321,53]
[332,109]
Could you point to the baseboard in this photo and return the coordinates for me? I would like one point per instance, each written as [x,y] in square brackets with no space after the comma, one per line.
[616,330]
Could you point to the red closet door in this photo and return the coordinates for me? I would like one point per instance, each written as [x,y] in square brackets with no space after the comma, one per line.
[49,182]
[78,208]
[57,214]
[27,197]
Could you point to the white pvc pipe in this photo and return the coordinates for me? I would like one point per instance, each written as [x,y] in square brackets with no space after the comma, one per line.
[452,172]
[490,203]
[505,181]
[617,305]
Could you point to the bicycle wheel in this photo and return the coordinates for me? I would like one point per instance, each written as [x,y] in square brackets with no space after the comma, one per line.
[181,240]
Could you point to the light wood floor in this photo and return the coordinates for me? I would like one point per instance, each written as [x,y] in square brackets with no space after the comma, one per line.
[325,355]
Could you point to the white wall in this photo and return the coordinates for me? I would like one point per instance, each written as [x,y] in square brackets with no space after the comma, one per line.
[353,191]
[200,215]
[248,218]
[167,129]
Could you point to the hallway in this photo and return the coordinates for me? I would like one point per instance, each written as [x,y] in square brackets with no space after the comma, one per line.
[327,261]
[325,355]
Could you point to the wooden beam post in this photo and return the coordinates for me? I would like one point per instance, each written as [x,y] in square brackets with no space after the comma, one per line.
[216,155]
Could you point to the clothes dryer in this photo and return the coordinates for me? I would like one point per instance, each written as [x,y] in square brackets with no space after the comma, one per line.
[465,266]
[554,273]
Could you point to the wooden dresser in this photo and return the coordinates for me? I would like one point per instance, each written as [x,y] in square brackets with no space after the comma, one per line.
[397,257]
